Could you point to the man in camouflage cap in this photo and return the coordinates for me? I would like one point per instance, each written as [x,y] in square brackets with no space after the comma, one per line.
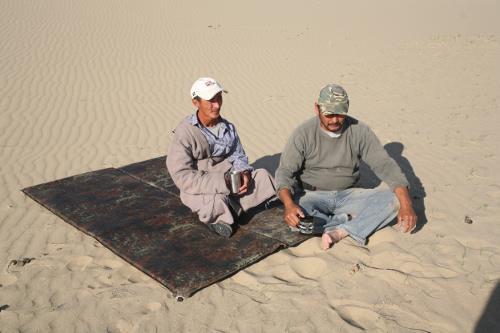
[319,173]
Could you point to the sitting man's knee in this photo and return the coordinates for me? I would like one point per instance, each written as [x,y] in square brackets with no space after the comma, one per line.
[392,199]
[259,174]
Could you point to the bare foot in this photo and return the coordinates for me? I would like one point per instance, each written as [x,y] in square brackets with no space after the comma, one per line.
[330,238]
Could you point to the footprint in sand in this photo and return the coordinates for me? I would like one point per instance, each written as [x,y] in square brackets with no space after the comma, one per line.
[153,306]
[104,281]
[245,279]
[309,268]
[384,236]
[137,277]
[109,263]
[133,279]
[78,263]
[58,299]
[283,273]
[357,316]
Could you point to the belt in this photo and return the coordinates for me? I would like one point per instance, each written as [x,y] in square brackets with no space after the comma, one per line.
[308,187]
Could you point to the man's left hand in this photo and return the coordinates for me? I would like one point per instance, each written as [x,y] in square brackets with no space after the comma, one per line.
[407,219]
[245,182]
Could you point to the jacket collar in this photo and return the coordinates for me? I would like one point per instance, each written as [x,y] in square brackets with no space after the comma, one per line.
[193,120]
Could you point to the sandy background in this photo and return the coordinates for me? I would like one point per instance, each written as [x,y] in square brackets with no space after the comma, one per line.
[86,85]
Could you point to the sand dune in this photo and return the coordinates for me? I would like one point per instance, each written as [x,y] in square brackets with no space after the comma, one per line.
[86,85]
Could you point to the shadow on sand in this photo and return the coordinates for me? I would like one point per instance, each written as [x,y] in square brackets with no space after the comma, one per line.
[417,191]
[490,319]
[269,162]
[370,180]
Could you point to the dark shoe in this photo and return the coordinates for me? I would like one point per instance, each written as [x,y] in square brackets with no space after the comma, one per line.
[221,228]
[235,207]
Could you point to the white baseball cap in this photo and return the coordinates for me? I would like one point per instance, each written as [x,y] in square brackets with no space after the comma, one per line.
[206,88]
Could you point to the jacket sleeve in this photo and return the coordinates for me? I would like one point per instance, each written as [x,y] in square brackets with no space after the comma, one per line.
[183,168]
[380,162]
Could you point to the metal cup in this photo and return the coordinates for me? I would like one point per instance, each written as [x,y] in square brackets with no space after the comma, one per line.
[235,181]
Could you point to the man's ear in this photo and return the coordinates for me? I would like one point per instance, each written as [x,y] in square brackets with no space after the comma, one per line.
[196,103]
[316,108]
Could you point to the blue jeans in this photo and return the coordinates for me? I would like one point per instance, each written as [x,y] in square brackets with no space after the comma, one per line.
[371,210]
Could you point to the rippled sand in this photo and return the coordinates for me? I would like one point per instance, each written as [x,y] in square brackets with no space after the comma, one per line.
[86,85]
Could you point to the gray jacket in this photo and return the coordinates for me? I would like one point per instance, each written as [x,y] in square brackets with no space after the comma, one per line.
[200,177]
[190,164]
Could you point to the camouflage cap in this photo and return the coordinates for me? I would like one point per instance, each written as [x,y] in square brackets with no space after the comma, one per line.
[333,100]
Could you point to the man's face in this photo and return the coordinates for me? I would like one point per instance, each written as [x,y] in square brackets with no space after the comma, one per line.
[331,122]
[209,110]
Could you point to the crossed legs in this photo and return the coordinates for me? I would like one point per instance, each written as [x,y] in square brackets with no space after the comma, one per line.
[368,209]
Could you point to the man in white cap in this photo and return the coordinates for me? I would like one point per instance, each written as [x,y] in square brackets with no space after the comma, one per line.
[204,151]
[319,171]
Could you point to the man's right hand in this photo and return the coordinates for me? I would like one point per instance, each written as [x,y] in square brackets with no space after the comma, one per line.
[292,214]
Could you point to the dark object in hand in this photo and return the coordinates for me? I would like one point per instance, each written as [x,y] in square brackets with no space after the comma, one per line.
[309,226]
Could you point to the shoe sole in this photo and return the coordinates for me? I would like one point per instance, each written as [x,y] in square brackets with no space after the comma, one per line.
[221,229]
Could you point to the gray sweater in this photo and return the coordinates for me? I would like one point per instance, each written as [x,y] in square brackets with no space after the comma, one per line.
[313,157]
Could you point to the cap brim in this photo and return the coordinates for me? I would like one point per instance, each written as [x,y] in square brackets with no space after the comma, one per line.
[208,95]
[328,109]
